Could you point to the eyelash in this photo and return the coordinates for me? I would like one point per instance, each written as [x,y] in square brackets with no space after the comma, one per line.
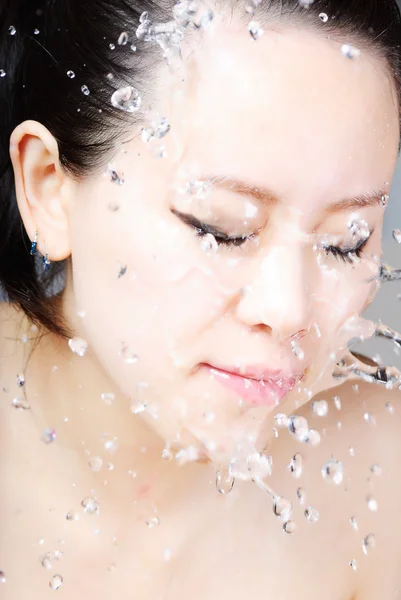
[346,255]
[202,229]
[222,239]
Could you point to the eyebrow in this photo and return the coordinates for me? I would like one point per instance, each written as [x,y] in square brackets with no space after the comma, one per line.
[266,196]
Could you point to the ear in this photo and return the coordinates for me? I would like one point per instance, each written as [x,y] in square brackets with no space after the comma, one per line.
[44,192]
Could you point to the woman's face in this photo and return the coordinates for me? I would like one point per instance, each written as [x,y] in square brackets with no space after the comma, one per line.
[241,249]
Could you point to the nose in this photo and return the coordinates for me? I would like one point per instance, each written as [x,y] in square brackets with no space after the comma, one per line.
[278,296]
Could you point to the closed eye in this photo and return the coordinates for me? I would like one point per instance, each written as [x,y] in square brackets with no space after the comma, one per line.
[347,255]
[202,229]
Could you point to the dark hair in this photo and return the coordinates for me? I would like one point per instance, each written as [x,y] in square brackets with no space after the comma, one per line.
[51,49]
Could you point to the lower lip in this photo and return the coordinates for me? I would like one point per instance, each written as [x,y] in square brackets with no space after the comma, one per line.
[252,391]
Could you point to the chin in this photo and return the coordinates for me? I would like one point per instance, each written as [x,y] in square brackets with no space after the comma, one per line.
[221,445]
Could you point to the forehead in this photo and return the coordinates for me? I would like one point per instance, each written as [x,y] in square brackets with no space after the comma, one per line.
[290,110]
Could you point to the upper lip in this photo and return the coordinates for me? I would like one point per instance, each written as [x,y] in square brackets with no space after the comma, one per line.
[261,373]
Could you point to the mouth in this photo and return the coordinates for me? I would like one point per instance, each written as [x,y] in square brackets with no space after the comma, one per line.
[255,387]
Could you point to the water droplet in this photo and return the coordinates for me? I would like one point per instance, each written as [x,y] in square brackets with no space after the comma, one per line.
[138,407]
[111,445]
[133,48]
[389,408]
[298,426]
[350,51]
[337,402]
[153,522]
[305,3]
[114,176]
[91,505]
[289,527]
[209,417]
[71,74]
[333,471]
[369,418]
[313,437]
[3,578]
[21,403]
[295,466]
[301,495]
[126,99]
[209,244]
[372,503]
[354,523]
[376,470]
[112,46]
[353,564]
[123,39]
[128,356]
[282,508]
[320,407]
[20,380]
[352,451]
[72,516]
[47,560]
[255,30]
[355,388]
[96,463]
[324,17]
[78,346]
[281,420]
[369,543]
[55,582]
[205,20]
[49,435]
[108,398]
[385,199]
[158,128]
[2,73]
[109,466]
[36,31]
[183,12]
[122,269]
[224,482]
[12,30]
[167,454]
[311,514]
[397,235]
[297,350]
[85,90]
[252,466]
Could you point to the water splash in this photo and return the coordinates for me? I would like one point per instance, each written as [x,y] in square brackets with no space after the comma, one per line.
[224,481]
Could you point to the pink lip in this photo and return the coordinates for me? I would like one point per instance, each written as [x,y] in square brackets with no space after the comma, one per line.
[268,390]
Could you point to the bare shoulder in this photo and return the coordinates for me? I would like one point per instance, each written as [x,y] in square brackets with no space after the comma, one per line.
[365,419]
[362,430]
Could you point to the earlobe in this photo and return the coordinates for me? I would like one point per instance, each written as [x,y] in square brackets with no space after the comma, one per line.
[42,188]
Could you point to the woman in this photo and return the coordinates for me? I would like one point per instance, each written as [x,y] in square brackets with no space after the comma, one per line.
[191,211]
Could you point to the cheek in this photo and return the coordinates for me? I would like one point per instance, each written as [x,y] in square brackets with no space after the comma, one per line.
[341,294]
[145,292]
